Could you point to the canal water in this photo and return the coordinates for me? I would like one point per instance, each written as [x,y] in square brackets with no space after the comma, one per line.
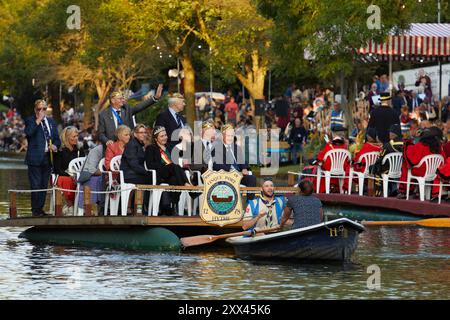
[414,263]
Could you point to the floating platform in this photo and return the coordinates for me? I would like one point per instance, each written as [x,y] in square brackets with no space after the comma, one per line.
[412,206]
[134,238]
[182,226]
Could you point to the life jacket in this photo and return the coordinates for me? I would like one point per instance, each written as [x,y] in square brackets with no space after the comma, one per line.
[337,120]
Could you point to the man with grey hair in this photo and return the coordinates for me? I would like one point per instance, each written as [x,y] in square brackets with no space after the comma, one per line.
[171,118]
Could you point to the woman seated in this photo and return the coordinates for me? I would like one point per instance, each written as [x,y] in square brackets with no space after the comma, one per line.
[132,162]
[307,209]
[91,176]
[157,157]
[69,151]
[123,134]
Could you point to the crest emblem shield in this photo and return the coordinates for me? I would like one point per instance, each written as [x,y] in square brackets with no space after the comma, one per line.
[222,203]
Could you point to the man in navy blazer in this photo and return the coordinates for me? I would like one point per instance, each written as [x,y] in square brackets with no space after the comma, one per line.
[43,143]
[229,156]
[171,118]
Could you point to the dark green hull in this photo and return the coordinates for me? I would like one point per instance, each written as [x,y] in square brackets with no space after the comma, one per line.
[152,239]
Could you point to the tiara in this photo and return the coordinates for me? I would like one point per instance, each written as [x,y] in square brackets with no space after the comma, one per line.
[157,130]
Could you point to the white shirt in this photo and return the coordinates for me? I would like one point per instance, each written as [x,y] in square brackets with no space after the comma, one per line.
[209,152]
[174,115]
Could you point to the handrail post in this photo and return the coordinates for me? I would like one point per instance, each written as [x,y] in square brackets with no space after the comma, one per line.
[87,202]
[138,202]
[58,203]
[12,205]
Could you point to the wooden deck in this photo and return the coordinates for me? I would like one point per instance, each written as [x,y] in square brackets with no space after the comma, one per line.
[115,221]
[412,206]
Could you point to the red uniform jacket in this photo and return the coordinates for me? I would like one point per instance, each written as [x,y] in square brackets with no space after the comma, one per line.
[327,164]
[366,148]
[414,153]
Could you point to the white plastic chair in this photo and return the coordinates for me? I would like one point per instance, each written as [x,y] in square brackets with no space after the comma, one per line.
[155,195]
[74,170]
[369,159]
[126,187]
[338,159]
[395,160]
[440,190]
[197,200]
[102,168]
[185,199]
[432,162]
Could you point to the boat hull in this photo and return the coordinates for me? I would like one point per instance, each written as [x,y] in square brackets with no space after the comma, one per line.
[152,239]
[333,241]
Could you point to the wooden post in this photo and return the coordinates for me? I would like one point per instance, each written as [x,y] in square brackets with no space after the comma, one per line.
[291,179]
[58,203]
[87,202]
[138,202]
[12,205]
[370,187]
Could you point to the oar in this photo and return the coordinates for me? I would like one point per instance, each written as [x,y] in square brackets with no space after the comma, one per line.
[204,239]
[433,222]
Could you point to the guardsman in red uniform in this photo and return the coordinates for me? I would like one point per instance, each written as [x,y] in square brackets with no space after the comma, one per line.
[338,142]
[371,145]
[429,143]
[443,174]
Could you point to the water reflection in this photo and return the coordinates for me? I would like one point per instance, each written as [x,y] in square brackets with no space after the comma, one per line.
[48,272]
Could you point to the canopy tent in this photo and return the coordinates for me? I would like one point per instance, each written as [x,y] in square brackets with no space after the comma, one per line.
[422,42]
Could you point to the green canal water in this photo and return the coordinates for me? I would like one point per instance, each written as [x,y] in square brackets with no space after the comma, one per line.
[414,263]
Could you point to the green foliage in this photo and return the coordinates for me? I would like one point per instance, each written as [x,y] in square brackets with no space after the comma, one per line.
[149,115]
[314,145]
[331,31]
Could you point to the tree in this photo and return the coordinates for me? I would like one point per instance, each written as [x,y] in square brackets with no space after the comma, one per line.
[101,56]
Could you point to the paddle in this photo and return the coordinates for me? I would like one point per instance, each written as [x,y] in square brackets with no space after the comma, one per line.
[433,222]
[204,239]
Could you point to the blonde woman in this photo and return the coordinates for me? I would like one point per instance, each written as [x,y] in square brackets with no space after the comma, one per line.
[69,151]
[123,134]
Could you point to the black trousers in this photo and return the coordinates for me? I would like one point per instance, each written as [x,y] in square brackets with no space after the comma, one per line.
[249,181]
[39,177]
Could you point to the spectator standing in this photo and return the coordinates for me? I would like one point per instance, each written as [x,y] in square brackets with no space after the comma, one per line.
[383,118]
[43,142]
[297,138]
[231,108]
[119,113]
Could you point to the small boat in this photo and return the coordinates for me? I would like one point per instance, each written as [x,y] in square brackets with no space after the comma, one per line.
[333,240]
[218,199]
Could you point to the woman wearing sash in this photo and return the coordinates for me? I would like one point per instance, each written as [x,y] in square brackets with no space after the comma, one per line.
[157,157]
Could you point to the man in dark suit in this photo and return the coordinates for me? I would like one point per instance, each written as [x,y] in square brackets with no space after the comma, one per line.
[43,142]
[119,113]
[383,117]
[171,118]
[229,156]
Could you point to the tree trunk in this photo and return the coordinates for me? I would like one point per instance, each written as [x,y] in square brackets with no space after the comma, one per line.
[53,89]
[254,79]
[102,87]
[87,107]
[189,88]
